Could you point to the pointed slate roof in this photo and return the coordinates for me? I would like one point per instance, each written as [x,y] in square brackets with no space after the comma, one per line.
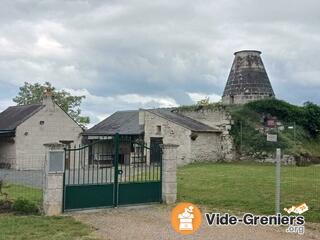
[248,75]
[12,117]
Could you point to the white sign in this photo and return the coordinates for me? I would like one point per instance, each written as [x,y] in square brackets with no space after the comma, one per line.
[272,137]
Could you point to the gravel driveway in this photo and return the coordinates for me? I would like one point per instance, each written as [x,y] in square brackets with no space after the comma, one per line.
[153,222]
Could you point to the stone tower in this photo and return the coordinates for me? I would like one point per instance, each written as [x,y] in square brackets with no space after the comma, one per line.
[248,79]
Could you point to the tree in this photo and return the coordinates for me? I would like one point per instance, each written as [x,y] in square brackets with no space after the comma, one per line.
[312,113]
[33,93]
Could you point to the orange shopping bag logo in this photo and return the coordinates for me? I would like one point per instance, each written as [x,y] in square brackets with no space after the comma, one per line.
[186,218]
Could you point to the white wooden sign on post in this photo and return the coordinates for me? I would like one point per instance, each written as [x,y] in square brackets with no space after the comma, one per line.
[272,137]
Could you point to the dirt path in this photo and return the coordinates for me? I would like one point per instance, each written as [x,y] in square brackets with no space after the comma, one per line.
[153,222]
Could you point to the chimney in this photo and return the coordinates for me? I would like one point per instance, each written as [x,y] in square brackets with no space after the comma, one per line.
[141,116]
[47,99]
[248,79]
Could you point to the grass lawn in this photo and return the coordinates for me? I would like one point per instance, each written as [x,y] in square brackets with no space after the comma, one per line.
[40,227]
[249,187]
[30,227]
[15,191]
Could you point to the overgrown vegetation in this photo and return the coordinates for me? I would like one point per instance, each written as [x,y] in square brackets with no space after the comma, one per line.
[202,105]
[307,116]
[298,133]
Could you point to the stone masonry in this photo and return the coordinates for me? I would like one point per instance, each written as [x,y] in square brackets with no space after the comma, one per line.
[171,133]
[205,147]
[217,118]
[53,185]
[169,173]
[248,79]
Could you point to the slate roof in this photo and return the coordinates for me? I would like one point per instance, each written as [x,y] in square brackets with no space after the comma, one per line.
[122,122]
[183,121]
[248,76]
[14,116]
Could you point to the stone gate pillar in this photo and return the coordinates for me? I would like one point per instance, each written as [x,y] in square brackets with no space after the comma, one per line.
[53,179]
[169,173]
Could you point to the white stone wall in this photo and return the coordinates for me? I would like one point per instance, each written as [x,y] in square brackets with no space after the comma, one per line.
[169,173]
[206,147]
[171,134]
[217,118]
[213,118]
[30,135]
[7,153]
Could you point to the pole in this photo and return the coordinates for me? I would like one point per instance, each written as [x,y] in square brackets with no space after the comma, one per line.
[241,137]
[294,133]
[116,171]
[278,178]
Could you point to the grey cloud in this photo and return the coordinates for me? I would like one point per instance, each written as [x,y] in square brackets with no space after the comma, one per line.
[157,48]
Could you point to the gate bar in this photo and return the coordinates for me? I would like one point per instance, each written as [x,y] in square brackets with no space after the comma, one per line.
[116,184]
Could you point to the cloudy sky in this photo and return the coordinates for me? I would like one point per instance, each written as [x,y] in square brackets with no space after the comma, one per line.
[131,54]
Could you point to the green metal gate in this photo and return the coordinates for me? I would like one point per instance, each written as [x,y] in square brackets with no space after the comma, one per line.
[113,171]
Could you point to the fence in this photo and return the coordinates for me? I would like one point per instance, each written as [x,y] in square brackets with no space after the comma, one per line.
[301,184]
[299,175]
[23,185]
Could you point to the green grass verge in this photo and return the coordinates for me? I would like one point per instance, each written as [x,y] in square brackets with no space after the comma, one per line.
[249,187]
[40,227]
[15,191]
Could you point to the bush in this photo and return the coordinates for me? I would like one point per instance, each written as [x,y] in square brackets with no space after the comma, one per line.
[24,206]
[307,115]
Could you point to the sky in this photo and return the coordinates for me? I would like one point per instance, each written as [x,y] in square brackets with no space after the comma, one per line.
[144,54]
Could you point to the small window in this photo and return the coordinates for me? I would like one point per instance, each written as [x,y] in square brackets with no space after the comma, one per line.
[41,123]
[159,129]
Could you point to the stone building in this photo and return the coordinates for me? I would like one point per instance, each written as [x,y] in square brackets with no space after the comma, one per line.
[197,141]
[248,79]
[25,129]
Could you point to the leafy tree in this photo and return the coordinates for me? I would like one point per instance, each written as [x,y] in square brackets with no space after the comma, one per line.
[312,112]
[33,93]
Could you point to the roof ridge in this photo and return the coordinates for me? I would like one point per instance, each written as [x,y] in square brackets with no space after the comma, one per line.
[185,125]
